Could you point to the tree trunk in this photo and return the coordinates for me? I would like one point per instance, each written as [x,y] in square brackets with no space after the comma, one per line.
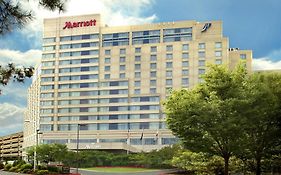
[226,163]
[258,166]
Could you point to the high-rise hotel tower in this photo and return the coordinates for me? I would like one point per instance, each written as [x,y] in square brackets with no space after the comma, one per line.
[109,82]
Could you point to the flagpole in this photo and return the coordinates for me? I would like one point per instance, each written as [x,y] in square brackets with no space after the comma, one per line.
[128,137]
[142,139]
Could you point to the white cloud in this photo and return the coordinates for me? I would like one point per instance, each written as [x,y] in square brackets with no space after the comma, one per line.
[113,12]
[28,58]
[265,64]
[11,118]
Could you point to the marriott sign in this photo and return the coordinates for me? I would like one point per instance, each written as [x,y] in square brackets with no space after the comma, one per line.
[70,25]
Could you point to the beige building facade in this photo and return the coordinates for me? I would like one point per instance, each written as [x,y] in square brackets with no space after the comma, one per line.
[109,82]
[11,146]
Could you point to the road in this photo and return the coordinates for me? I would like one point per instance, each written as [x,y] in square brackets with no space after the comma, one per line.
[86,172]
[160,172]
[9,173]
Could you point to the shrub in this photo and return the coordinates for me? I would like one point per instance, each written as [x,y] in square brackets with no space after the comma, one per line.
[7,167]
[13,169]
[53,169]
[42,172]
[41,167]
[1,166]
[25,167]
[18,162]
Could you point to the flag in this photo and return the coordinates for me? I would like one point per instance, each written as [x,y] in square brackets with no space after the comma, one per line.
[156,136]
[141,135]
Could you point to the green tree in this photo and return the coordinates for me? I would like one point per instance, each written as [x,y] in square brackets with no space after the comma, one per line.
[208,118]
[17,74]
[49,152]
[14,16]
[263,113]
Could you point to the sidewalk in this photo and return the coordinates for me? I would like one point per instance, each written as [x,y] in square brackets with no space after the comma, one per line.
[10,173]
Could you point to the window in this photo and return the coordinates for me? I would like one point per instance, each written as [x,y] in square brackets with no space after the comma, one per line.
[122,67]
[184,81]
[218,61]
[48,48]
[107,52]
[137,58]
[153,74]
[137,74]
[169,82]
[137,50]
[168,141]
[137,91]
[106,68]
[122,75]
[218,53]
[49,40]
[152,90]
[169,64]
[82,69]
[153,57]
[137,66]
[201,54]
[122,51]
[107,60]
[169,73]
[106,76]
[122,59]
[48,55]
[218,45]
[201,45]
[152,82]
[169,48]
[153,65]
[49,63]
[201,63]
[243,56]
[185,72]
[137,83]
[201,71]
[185,64]
[185,55]
[153,49]
[169,56]
[185,47]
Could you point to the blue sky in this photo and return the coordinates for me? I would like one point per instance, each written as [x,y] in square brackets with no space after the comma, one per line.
[249,24]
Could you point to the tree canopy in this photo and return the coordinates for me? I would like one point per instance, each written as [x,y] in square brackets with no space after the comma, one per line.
[13,15]
[223,115]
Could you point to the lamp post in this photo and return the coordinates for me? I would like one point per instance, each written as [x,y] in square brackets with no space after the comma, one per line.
[35,151]
[77,146]
[37,132]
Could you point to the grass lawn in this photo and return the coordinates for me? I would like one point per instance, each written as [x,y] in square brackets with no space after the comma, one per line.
[119,169]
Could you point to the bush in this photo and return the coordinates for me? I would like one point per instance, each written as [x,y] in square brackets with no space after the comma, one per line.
[1,166]
[13,169]
[42,172]
[53,169]
[7,167]
[25,167]
[41,167]
[27,171]
[18,162]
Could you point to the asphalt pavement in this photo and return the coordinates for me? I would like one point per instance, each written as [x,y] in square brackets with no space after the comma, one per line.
[154,172]
[10,173]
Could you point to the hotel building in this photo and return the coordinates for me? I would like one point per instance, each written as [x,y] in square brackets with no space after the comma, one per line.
[109,82]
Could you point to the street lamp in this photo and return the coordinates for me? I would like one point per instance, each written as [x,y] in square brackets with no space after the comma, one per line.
[77,145]
[37,131]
